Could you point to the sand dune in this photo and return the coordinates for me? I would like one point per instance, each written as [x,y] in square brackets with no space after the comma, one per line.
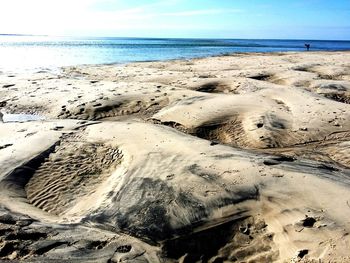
[241,158]
[268,118]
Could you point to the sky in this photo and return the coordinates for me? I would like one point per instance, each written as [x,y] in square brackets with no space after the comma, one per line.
[273,19]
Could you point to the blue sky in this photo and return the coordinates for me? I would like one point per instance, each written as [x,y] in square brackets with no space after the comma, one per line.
[298,19]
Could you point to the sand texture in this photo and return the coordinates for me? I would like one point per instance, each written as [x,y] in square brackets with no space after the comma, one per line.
[240,158]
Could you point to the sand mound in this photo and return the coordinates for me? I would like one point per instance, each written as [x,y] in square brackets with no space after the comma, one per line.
[176,201]
[233,132]
[269,119]
[177,192]
[334,90]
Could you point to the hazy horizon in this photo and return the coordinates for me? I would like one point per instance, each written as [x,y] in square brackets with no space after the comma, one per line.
[150,37]
[206,19]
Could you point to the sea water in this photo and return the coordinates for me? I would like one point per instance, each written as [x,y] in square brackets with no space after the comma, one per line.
[34,52]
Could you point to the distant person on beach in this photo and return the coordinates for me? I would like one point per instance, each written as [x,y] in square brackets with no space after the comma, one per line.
[307,47]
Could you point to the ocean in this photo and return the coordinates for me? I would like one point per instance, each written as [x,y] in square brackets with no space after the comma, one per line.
[40,52]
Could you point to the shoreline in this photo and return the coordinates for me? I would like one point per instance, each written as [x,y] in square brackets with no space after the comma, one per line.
[229,54]
[203,58]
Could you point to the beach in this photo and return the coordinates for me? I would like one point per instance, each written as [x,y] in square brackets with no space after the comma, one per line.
[237,158]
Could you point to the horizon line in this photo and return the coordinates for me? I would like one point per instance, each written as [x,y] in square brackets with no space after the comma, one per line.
[134,37]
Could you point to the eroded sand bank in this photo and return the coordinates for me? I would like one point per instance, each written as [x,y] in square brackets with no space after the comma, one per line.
[241,158]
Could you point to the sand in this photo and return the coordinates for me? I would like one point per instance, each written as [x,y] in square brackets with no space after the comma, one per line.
[239,158]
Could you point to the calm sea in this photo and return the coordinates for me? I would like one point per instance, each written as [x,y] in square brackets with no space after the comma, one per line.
[31,52]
